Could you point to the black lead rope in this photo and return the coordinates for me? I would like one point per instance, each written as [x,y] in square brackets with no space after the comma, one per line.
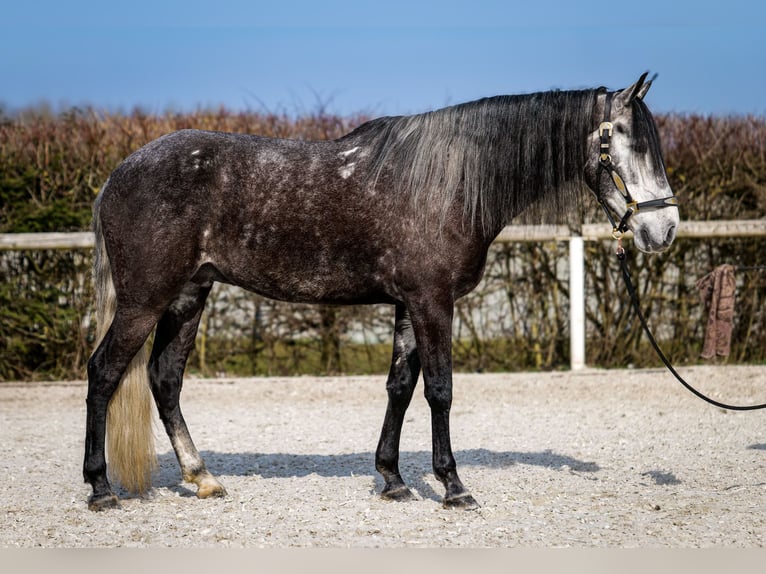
[637,307]
[619,228]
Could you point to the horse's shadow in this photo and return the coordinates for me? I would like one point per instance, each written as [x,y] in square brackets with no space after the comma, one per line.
[415,465]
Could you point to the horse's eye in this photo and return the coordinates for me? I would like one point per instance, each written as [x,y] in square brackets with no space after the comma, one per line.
[620,129]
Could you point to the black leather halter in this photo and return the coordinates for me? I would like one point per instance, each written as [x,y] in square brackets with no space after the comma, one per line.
[605,164]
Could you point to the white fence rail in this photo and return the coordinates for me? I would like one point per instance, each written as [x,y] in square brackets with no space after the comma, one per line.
[590,232]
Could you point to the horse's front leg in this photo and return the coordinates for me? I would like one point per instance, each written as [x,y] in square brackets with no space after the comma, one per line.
[402,377]
[432,323]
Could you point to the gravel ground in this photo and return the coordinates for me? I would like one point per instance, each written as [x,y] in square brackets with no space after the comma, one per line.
[620,459]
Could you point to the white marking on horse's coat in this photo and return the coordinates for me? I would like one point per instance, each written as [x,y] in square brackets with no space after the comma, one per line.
[345,154]
[346,170]
[197,162]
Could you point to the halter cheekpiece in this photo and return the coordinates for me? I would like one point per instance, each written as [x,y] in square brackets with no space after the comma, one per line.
[605,164]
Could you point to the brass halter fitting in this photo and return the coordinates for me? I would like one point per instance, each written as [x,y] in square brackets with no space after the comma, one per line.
[605,127]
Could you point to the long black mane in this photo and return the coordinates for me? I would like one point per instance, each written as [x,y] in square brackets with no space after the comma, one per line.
[501,156]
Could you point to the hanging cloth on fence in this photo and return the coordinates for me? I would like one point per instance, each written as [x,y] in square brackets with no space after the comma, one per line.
[718,293]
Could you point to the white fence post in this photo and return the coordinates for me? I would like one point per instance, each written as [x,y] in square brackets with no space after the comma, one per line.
[576,302]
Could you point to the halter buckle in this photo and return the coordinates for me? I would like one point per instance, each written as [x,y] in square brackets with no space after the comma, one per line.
[605,127]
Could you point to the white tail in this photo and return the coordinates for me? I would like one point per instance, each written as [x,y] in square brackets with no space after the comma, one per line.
[131,456]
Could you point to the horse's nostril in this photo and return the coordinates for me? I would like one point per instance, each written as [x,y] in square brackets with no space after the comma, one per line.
[670,235]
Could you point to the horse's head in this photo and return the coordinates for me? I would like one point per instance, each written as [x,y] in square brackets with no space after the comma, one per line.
[626,171]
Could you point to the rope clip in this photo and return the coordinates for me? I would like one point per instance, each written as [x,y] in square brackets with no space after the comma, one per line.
[620,251]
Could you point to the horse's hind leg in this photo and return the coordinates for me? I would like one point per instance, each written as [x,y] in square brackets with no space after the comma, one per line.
[402,377]
[174,340]
[106,366]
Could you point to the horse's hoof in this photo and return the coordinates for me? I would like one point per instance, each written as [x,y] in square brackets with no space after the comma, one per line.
[105,502]
[462,501]
[211,491]
[398,494]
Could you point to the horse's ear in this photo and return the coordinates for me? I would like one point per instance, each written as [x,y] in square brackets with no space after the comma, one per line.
[637,90]
[645,87]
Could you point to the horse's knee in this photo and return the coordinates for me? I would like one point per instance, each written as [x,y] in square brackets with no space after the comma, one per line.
[439,396]
[401,381]
[400,389]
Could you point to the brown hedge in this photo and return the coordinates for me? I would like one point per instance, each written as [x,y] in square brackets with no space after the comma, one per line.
[51,166]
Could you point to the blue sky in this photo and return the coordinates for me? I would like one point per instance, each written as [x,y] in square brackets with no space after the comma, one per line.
[383,57]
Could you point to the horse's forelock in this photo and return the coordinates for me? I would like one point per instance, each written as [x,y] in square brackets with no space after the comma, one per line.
[645,136]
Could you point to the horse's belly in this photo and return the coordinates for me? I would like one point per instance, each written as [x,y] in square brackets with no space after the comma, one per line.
[303,277]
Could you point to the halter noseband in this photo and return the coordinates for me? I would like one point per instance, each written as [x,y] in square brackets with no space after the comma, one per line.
[605,164]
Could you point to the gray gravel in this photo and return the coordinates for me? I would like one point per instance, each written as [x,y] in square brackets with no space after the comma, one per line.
[585,459]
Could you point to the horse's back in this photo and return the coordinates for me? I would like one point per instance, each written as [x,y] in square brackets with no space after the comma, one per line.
[280,217]
[290,219]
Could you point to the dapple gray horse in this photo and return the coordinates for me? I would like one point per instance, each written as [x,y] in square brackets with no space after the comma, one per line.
[400,211]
